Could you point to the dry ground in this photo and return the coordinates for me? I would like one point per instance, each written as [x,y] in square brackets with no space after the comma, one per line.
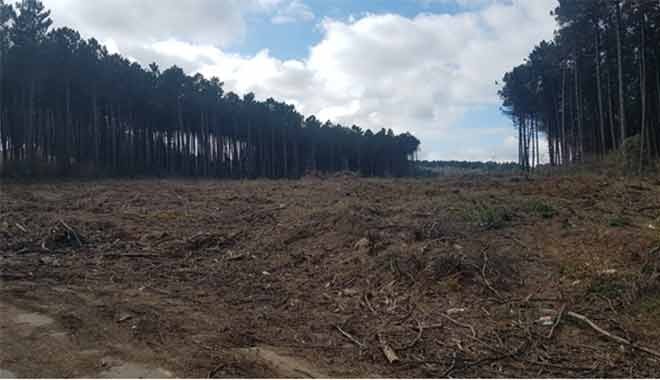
[459,277]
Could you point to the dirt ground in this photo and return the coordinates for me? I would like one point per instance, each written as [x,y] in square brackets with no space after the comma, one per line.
[341,276]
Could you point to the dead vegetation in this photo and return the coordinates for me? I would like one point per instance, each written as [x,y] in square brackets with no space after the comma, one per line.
[468,277]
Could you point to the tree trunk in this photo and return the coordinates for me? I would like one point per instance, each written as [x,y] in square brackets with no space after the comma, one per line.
[578,113]
[619,53]
[564,144]
[601,115]
[642,88]
[610,110]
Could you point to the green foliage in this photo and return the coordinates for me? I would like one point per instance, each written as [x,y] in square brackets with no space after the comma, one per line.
[437,168]
[650,305]
[618,221]
[74,105]
[491,218]
[542,209]
[607,287]
[591,88]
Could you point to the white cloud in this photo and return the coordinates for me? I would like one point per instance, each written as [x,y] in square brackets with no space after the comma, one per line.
[215,22]
[419,74]
[294,11]
[131,22]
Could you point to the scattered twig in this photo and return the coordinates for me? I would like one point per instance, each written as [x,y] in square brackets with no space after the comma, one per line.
[557,321]
[609,303]
[501,356]
[420,331]
[517,241]
[130,254]
[20,227]
[557,366]
[43,246]
[72,231]
[351,337]
[366,301]
[654,251]
[483,276]
[461,324]
[451,367]
[214,371]
[532,294]
[648,208]
[388,351]
[613,337]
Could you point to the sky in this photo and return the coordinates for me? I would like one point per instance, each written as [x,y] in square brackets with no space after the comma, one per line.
[429,67]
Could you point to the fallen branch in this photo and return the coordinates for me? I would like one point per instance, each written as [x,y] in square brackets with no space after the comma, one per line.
[613,337]
[366,301]
[502,355]
[557,321]
[483,276]
[20,227]
[351,337]
[648,208]
[129,254]
[461,324]
[72,231]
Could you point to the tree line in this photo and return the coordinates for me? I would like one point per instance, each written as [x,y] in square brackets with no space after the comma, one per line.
[69,107]
[489,166]
[593,89]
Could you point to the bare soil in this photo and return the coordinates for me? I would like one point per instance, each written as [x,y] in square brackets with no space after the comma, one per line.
[460,277]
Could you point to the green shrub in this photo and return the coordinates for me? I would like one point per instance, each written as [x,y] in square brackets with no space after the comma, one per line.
[542,209]
[618,221]
[492,218]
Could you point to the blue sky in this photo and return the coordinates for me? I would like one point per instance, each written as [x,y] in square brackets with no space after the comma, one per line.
[424,66]
[293,40]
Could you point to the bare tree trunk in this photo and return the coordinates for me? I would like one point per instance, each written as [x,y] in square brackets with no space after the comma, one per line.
[563,118]
[520,142]
[642,88]
[3,132]
[610,110]
[622,108]
[530,141]
[601,116]
[538,151]
[657,87]
[578,112]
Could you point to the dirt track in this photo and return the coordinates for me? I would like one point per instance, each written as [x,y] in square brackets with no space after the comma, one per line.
[458,277]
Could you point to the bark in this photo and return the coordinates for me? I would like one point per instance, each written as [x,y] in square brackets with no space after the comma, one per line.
[642,88]
[563,119]
[601,116]
[610,110]
[578,112]
[619,53]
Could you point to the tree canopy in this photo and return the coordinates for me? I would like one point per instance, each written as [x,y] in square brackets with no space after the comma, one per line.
[595,86]
[70,107]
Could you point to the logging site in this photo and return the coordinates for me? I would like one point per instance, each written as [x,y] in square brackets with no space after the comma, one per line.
[329,189]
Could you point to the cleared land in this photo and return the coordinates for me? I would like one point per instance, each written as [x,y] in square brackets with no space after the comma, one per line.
[452,277]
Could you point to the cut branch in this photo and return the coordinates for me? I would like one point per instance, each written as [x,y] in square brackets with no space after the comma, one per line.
[611,336]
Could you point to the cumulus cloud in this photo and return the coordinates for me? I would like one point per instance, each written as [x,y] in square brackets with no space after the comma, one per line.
[129,21]
[419,74]
[294,11]
[215,22]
